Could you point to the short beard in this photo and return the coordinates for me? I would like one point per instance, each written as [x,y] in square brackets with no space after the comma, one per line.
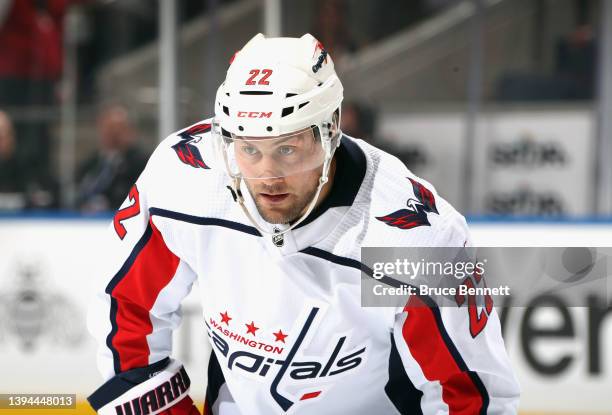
[292,213]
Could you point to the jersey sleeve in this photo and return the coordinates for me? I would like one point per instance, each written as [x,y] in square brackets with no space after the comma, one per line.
[138,288]
[456,356]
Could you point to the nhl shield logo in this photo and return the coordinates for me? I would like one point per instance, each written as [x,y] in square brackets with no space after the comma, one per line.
[278,238]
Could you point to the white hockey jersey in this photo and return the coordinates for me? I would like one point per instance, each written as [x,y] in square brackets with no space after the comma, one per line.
[284,318]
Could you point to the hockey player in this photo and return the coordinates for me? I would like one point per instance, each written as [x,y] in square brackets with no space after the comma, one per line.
[267,205]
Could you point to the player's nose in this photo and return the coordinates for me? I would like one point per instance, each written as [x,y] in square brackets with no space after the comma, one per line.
[272,185]
[269,168]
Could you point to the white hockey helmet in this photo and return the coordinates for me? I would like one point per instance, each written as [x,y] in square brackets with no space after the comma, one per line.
[277,90]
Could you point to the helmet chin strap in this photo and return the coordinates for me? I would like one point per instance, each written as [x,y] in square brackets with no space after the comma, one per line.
[322,180]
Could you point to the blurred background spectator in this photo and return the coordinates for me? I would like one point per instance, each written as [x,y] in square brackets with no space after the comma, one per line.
[577,52]
[105,177]
[572,76]
[21,187]
[31,62]
[31,53]
[12,174]
[358,120]
[332,28]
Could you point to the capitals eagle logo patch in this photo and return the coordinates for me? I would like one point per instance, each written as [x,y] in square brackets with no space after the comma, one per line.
[185,149]
[416,214]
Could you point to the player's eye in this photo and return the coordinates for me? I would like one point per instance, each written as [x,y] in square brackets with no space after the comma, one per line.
[249,150]
[286,150]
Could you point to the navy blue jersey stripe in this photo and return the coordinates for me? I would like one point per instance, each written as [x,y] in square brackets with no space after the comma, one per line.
[399,388]
[215,381]
[349,262]
[111,335]
[340,260]
[483,391]
[202,220]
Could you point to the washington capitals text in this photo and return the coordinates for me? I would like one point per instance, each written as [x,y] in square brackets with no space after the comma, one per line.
[251,362]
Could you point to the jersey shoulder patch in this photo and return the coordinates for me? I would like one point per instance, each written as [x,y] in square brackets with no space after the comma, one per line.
[418,207]
[186,148]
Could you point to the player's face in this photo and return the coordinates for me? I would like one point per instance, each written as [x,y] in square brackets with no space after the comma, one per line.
[288,170]
[284,200]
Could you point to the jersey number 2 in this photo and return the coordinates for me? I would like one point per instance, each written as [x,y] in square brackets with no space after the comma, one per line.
[127,212]
[478,320]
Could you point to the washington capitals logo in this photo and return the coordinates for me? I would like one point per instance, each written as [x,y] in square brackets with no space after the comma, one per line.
[293,377]
[416,214]
[185,149]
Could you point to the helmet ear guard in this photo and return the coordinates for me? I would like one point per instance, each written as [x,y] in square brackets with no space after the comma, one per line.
[332,129]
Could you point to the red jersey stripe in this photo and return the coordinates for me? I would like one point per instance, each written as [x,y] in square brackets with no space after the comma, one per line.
[135,295]
[429,348]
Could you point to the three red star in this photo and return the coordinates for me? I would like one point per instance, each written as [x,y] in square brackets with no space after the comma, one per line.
[280,336]
[251,328]
[225,318]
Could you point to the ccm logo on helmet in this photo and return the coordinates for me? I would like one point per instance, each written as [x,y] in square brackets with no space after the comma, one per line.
[254,114]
